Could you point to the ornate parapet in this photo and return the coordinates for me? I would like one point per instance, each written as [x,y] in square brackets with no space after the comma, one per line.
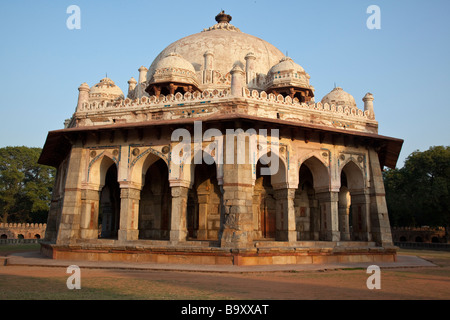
[199,104]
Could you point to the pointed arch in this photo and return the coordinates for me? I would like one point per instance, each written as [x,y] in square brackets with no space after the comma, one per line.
[139,167]
[320,173]
[155,200]
[278,170]
[204,203]
[98,168]
[354,175]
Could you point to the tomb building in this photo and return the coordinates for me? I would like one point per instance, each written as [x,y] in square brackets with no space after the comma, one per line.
[219,153]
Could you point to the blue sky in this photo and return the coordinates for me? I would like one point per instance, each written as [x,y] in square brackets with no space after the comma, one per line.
[405,64]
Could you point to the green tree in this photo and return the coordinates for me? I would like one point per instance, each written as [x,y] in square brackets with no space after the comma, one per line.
[419,193]
[25,186]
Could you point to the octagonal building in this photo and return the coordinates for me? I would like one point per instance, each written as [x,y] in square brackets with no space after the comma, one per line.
[219,154]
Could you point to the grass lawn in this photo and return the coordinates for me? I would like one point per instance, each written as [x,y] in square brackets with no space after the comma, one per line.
[49,283]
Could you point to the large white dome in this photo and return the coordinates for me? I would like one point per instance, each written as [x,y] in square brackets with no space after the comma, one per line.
[228,46]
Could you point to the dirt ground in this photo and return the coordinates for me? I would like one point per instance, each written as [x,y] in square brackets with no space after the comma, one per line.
[49,283]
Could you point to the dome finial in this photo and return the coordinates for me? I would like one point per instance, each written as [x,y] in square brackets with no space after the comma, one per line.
[223,17]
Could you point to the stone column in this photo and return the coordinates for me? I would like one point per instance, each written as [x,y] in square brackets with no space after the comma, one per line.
[360,214]
[142,74]
[238,206]
[208,67]
[55,204]
[329,226]
[285,219]
[237,81]
[129,214]
[250,67]
[368,105]
[131,85]
[379,219]
[178,229]
[314,211]
[344,212]
[89,213]
[83,95]
[69,221]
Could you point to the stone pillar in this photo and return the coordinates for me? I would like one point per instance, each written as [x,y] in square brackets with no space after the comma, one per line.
[368,105]
[55,204]
[237,81]
[379,219]
[285,219]
[329,224]
[344,212]
[314,212]
[83,95]
[238,205]
[69,221]
[89,214]
[250,67]
[360,213]
[208,67]
[178,228]
[131,85]
[142,74]
[129,213]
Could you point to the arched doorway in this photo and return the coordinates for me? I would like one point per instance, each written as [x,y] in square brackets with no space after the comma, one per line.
[204,204]
[264,205]
[109,208]
[155,203]
[358,225]
[306,206]
[314,178]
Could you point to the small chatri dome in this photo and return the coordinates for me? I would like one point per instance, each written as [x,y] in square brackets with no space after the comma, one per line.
[339,97]
[106,89]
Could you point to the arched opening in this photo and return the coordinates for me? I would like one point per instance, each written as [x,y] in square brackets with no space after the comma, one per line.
[3,236]
[402,239]
[434,240]
[264,204]
[37,236]
[204,203]
[109,208]
[306,207]
[315,179]
[20,236]
[418,239]
[353,204]
[155,203]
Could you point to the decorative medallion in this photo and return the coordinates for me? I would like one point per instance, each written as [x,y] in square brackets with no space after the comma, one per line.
[360,158]
[165,149]
[136,152]
[93,153]
[342,157]
[115,152]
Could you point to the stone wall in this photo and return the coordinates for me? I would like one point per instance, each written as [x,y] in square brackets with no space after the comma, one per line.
[22,230]
[424,234]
